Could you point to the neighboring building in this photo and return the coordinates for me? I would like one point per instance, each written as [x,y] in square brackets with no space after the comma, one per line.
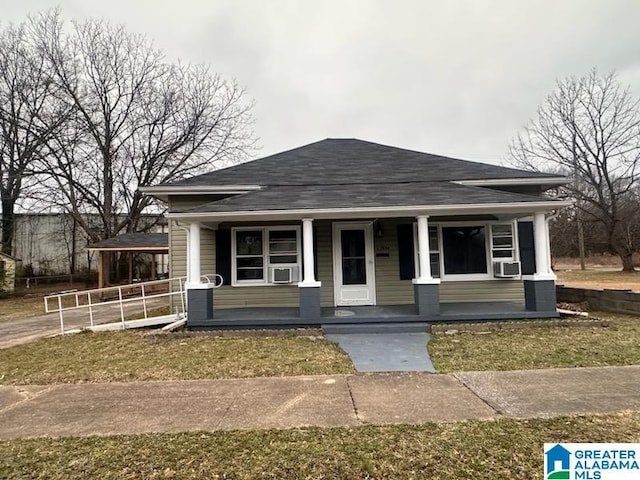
[7,273]
[154,246]
[348,231]
[50,243]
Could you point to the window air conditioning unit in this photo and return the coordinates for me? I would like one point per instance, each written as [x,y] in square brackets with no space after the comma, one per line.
[506,269]
[284,274]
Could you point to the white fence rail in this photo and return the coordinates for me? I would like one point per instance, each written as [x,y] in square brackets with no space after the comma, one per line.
[144,295]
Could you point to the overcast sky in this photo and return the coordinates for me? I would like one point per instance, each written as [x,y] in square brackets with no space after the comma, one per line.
[457,78]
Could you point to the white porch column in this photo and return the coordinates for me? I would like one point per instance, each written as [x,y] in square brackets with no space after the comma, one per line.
[309,279]
[199,294]
[423,250]
[541,241]
[193,255]
[540,288]
[426,289]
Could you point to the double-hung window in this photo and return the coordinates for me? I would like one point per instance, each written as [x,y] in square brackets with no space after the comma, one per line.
[256,250]
[502,242]
[434,251]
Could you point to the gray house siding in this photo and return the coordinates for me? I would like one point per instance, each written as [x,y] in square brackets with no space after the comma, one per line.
[390,290]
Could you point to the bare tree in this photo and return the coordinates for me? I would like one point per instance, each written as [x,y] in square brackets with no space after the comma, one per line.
[589,129]
[137,120]
[29,116]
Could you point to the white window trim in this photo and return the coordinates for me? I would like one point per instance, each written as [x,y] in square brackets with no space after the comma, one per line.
[488,249]
[265,255]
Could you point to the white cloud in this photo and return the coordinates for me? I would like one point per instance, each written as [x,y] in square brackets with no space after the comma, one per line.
[451,77]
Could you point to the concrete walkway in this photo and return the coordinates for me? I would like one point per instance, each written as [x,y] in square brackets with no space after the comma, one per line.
[16,332]
[326,401]
[386,352]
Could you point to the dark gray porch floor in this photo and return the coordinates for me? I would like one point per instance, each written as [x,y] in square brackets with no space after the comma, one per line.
[449,312]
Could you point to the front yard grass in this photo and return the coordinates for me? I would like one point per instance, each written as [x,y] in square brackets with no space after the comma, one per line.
[599,279]
[131,356]
[540,347]
[17,307]
[505,449]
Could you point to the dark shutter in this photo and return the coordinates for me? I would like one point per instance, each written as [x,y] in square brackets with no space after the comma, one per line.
[405,251]
[223,255]
[527,248]
[315,249]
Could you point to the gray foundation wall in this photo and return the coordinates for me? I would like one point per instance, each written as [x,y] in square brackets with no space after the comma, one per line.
[427,299]
[309,303]
[540,295]
[199,307]
[617,301]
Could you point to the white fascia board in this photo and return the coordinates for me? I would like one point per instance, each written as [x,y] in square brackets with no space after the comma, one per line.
[381,212]
[513,181]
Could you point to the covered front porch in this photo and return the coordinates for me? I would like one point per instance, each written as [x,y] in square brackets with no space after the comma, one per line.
[356,270]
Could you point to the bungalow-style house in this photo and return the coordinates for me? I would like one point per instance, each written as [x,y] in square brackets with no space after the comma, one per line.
[348,231]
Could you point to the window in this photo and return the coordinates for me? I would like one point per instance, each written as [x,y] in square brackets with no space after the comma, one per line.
[467,249]
[502,244]
[249,255]
[464,250]
[283,247]
[434,251]
[257,249]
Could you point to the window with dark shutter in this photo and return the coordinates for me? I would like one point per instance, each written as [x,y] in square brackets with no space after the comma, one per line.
[527,248]
[223,255]
[406,251]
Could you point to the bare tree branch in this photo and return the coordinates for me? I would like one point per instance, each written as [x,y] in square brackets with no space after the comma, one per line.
[589,129]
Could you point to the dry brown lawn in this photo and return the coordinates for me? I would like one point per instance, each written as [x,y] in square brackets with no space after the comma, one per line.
[599,278]
[133,355]
[614,342]
[500,449]
[16,308]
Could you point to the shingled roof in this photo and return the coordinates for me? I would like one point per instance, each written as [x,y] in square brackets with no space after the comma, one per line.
[134,241]
[337,161]
[360,196]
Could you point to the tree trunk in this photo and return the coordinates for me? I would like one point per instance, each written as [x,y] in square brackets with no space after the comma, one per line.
[627,262]
[581,242]
[8,222]
[74,231]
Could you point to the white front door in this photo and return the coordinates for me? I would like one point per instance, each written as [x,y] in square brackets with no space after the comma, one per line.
[353,268]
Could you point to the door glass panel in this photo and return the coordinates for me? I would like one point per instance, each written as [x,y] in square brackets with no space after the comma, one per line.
[354,261]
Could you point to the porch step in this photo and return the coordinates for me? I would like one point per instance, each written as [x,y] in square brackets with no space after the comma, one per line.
[394,327]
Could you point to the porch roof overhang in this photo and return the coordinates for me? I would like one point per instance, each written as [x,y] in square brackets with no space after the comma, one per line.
[367,200]
[523,208]
[133,242]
